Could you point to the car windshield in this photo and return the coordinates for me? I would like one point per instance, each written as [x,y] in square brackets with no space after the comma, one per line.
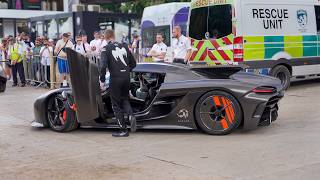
[211,22]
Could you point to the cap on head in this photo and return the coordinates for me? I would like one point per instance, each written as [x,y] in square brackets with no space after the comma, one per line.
[66,35]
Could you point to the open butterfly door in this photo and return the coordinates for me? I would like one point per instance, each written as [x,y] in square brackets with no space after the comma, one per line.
[84,76]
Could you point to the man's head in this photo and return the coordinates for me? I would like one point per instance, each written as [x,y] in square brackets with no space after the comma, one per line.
[176,31]
[37,43]
[46,42]
[84,38]
[79,40]
[65,37]
[102,36]
[159,38]
[51,42]
[135,35]
[109,34]
[96,35]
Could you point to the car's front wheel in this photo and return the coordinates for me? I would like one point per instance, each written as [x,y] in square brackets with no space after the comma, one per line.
[218,113]
[61,114]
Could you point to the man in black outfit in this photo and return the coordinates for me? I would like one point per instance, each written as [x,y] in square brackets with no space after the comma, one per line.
[120,62]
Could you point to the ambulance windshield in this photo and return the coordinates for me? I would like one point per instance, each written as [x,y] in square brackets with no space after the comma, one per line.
[211,22]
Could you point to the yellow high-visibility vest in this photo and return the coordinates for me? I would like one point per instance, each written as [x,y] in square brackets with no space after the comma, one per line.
[14,53]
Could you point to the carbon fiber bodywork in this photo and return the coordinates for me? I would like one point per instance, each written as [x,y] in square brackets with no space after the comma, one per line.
[174,103]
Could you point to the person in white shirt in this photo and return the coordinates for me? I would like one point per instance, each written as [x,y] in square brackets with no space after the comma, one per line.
[104,42]
[159,50]
[45,52]
[79,46]
[86,45]
[181,46]
[60,51]
[95,46]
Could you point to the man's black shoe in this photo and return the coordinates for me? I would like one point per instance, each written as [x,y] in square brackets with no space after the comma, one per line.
[133,123]
[14,85]
[23,85]
[121,133]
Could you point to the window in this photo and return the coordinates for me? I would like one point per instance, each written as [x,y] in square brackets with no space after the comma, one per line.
[65,25]
[51,29]
[211,22]
[317,10]
[149,36]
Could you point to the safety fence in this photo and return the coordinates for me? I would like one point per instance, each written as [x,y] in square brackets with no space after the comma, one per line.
[44,71]
[49,72]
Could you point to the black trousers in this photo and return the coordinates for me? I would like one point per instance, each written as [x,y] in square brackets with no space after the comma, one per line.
[119,93]
[18,68]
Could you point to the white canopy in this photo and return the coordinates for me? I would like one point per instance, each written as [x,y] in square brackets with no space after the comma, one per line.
[24,14]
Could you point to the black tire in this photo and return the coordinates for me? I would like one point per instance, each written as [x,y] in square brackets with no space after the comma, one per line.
[282,72]
[61,114]
[218,113]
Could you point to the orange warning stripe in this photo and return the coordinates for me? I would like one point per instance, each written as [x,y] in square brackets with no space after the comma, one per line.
[204,55]
[221,52]
[226,40]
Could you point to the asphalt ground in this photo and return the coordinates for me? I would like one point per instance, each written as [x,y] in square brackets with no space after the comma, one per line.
[288,149]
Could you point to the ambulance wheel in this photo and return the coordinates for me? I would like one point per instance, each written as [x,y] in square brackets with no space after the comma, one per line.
[281,72]
[61,114]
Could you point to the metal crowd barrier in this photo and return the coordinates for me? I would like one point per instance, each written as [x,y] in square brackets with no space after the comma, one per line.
[39,73]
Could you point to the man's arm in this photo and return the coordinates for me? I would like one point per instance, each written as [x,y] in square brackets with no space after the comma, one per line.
[189,50]
[104,65]
[151,52]
[57,49]
[132,61]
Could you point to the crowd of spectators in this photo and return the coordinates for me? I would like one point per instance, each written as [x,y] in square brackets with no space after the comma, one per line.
[33,60]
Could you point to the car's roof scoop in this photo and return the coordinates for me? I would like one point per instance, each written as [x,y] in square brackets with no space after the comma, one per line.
[217,71]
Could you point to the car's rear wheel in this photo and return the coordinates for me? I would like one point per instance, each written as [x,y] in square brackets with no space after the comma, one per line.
[61,114]
[218,113]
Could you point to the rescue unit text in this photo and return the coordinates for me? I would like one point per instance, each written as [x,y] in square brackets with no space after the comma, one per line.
[271,18]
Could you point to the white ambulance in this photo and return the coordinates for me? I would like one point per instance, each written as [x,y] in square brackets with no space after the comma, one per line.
[161,19]
[275,37]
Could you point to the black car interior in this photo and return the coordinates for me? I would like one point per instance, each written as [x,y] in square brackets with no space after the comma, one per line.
[144,88]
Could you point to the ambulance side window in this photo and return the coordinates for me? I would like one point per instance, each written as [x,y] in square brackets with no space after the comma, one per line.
[317,10]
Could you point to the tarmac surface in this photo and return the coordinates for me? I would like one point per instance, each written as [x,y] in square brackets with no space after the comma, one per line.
[288,149]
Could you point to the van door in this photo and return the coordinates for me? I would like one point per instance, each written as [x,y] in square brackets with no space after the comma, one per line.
[211,32]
